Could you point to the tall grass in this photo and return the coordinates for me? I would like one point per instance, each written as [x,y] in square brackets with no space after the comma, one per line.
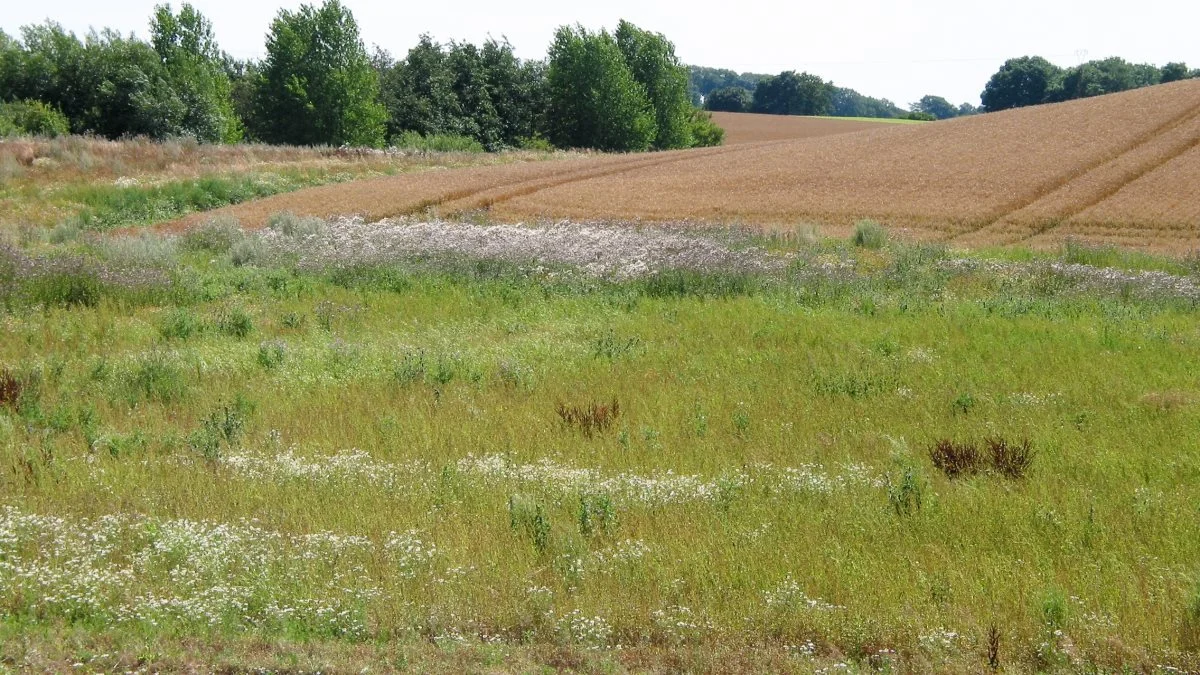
[446,458]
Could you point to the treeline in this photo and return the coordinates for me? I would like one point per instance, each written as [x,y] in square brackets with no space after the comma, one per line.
[317,85]
[1031,80]
[788,93]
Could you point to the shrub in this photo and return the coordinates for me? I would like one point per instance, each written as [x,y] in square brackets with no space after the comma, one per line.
[411,140]
[1054,609]
[411,368]
[236,323]
[64,233]
[869,234]
[298,227]
[590,418]
[143,251]
[272,353]
[536,143]
[705,132]
[596,513]
[956,459]
[155,378]
[611,347]
[527,515]
[963,403]
[224,425]
[1011,460]
[32,118]
[180,324]
[906,495]
[11,388]
[217,235]
[246,251]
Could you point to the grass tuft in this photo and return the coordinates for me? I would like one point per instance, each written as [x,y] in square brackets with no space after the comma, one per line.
[869,234]
[591,418]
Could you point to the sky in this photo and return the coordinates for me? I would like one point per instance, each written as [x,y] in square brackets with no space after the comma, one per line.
[887,49]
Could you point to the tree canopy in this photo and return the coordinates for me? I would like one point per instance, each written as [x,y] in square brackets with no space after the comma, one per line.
[791,93]
[594,99]
[651,59]
[317,85]
[729,99]
[1030,80]
[195,68]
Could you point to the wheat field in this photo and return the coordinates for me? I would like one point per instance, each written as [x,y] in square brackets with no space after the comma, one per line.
[753,128]
[1113,169]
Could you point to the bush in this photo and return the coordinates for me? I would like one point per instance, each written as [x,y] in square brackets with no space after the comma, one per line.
[236,323]
[590,418]
[869,234]
[411,140]
[217,236]
[155,378]
[705,132]
[246,251]
[728,99]
[1011,460]
[536,143]
[180,324]
[956,459]
[272,353]
[32,118]
[297,227]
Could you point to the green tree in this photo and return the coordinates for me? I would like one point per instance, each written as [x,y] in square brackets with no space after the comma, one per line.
[469,84]
[1020,82]
[317,85]
[32,118]
[1173,72]
[194,65]
[1107,76]
[11,59]
[594,99]
[651,58]
[937,106]
[705,132]
[517,91]
[728,99]
[791,93]
[486,93]
[243,78]
[703,81]
[850,103]
[419,92]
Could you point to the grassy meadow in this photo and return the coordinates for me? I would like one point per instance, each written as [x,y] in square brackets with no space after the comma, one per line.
[94,184]
[433,446]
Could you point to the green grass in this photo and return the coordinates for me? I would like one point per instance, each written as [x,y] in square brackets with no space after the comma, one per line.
[103,207]
[253,420]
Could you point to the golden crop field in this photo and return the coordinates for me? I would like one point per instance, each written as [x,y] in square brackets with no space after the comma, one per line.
[752,127]
[1112,169]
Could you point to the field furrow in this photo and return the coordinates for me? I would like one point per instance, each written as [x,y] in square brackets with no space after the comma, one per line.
[1091,187]
[1121,160]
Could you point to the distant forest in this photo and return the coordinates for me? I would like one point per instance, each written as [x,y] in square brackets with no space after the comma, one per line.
[624,90]
[618,91]
[1024,81]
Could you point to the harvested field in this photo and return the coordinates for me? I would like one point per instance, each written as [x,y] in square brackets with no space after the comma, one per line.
[752,128]
[1119,168]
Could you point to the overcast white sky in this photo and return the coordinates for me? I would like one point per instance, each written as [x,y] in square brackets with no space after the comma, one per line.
[881,48]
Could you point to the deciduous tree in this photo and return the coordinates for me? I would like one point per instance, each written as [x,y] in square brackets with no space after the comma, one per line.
[317,84]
